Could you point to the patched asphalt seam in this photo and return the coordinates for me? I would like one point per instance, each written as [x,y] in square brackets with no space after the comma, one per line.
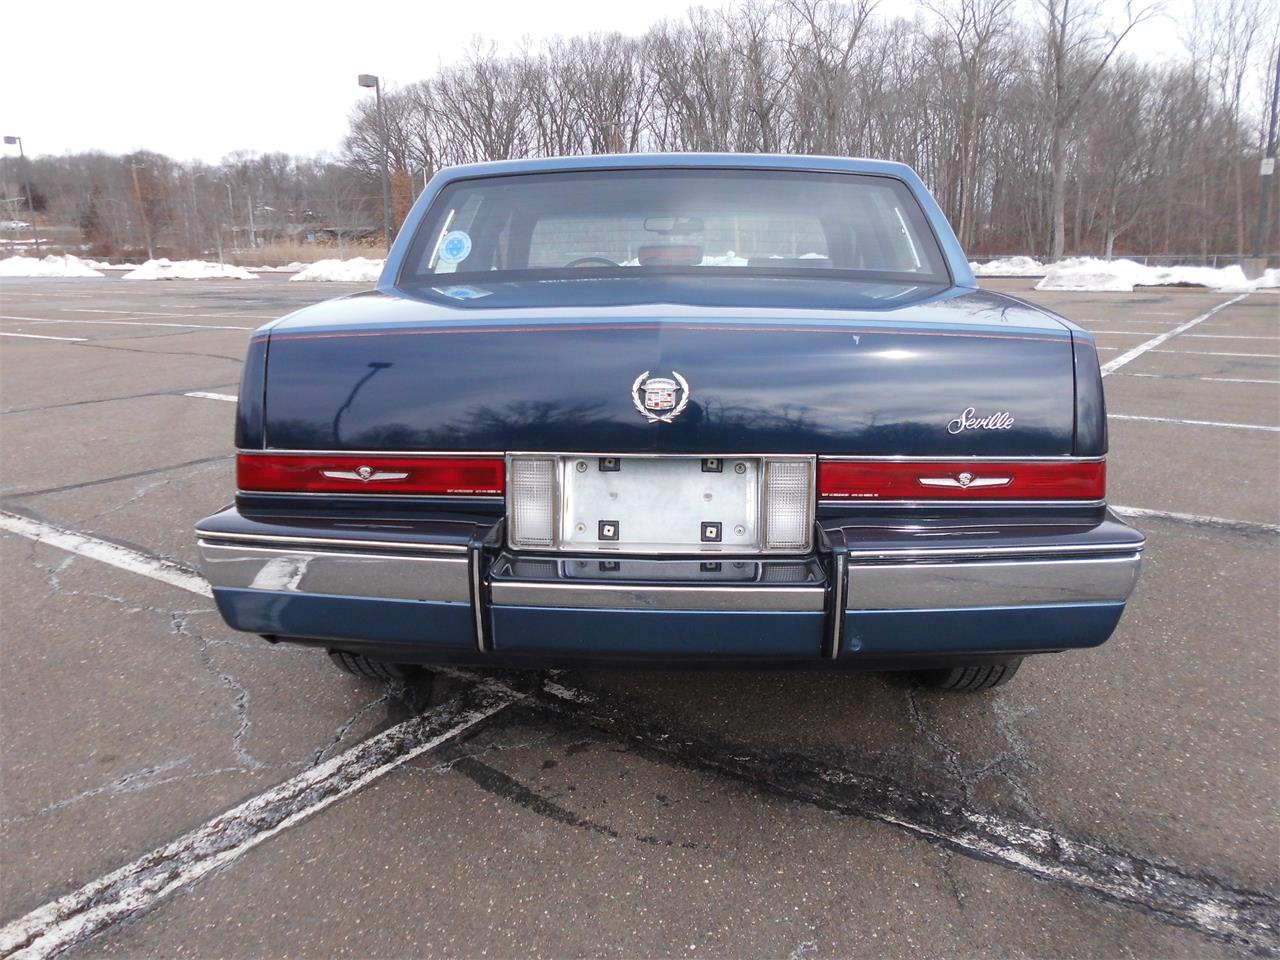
[1246,918]
[500,784]
[506,787]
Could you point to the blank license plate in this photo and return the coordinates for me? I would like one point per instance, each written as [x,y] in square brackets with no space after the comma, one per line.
[666,505]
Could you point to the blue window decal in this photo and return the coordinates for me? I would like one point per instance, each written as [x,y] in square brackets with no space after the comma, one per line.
[455,247]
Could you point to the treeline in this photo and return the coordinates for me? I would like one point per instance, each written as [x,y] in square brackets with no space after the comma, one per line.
[1034,125]
[146,204]
[1037,124]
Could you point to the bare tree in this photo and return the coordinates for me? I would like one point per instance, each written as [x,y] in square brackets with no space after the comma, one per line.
[1077,46]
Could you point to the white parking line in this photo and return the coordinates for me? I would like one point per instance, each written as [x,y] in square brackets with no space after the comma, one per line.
[124,323]
[1121,333]
[1227,336]
[103,550]
[1113,365]
[138,886]
[1172,376]
[127,323]
[1194,518]
[153,313]
[205,395]
[1194,423]
[1127,322]
[1218,353]
[36,336]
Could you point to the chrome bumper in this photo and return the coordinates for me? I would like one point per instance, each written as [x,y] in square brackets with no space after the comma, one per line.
[456,592]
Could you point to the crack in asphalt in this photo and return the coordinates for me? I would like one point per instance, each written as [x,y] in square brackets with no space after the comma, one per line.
[179,626]
[177,392]
[21,494]
[1246,918]
[950,756]
[140,492]
[345,727]
[138,886]
[100,345]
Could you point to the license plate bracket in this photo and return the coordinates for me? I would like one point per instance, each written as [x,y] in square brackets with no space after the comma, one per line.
[660,504]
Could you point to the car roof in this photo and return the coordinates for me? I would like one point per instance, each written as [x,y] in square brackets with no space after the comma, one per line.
[625,161]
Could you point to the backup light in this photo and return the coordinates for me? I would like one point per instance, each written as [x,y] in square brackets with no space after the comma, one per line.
[533,501]
[788,504]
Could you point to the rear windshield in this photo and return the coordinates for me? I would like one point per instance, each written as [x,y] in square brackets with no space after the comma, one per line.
[752,223]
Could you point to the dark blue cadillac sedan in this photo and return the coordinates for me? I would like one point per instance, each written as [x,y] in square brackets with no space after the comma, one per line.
[681,407]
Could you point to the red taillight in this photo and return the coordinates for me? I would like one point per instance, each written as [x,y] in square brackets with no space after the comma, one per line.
[404,476]
[951,480]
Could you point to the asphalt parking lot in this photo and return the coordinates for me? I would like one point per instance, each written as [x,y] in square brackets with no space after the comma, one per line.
[170,788]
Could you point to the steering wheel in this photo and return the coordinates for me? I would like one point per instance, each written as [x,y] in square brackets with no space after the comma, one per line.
[584,261]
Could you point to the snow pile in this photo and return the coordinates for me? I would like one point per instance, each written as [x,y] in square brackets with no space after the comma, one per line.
[728,259]
[1270,280]
[296,267]
[1009,267]
[50,266]
[355,270]
[1121,276]
[164,269]
[105,265]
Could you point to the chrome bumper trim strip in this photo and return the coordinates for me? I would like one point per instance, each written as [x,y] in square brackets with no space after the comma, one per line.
[1047,551]
[606,596]
[995,583]
[352,543]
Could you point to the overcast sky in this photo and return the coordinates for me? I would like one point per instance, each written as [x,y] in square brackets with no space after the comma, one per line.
[200,81]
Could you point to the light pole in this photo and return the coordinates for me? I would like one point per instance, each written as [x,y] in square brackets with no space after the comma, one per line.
[369,80]
[1268,169]
[26,179]
[142,209]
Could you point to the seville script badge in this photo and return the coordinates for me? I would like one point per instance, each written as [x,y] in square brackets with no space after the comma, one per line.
[654,396]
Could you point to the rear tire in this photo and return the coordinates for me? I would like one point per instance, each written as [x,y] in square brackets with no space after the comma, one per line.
[978,676]
[366,668]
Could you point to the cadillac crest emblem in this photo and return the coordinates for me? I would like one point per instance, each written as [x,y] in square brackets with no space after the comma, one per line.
[660,399]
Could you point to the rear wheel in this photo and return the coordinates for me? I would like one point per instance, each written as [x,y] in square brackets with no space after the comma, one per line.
[979,676]
[361,666]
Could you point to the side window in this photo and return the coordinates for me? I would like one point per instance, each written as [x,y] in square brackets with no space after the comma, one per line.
[882,236]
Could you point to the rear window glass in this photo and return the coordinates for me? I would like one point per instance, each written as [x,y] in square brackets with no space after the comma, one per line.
[651,222]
